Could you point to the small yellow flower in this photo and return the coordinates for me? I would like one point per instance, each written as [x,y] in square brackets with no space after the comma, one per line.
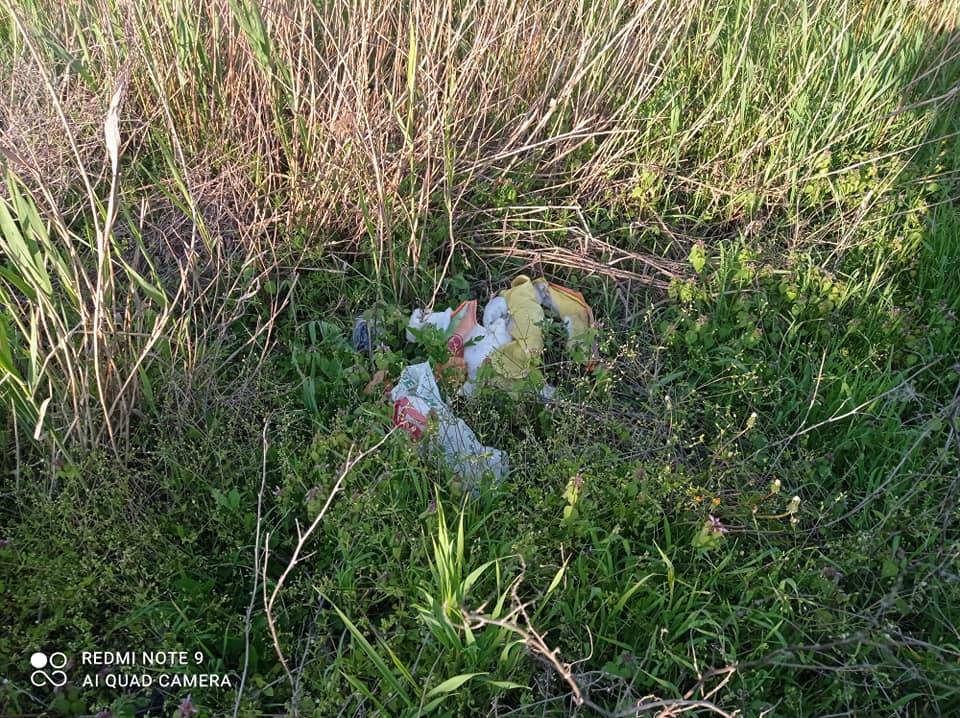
[716,500]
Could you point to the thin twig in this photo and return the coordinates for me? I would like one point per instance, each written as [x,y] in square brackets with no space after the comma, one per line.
[531,637]
[302,538]
[536,641]
[256,573]
[855,410]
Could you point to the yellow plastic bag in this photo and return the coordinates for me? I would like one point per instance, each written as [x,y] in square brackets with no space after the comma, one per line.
[515,360]
[575,313]
[525,301]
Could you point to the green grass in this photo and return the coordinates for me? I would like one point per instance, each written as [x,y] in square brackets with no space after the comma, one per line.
[760,202]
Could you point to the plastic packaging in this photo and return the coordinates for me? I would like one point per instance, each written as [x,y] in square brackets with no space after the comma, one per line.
[510,340]
[416,397]
[364,334]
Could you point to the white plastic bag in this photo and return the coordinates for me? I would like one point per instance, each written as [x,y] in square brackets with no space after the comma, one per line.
[420,317]
[481,342]
[415,396]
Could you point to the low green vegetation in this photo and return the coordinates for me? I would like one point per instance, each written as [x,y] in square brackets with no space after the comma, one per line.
[748,507]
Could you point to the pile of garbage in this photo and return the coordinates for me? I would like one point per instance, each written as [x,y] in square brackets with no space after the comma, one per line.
[508,339]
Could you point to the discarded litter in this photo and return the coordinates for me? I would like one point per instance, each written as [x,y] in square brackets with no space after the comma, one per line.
[509,339]
[510,336]
[364,334]
[417,401]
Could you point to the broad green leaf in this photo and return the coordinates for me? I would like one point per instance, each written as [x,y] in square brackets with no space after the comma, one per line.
[452,684]
[25,257]
[556,580]
[33,369]
[697,258]
[404,671]
[671,576]
[146,385]
[6,355]
[506,685]
[18,282]
[474,575]
[362,689]
[383,669]
[633,589]
[155,292]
